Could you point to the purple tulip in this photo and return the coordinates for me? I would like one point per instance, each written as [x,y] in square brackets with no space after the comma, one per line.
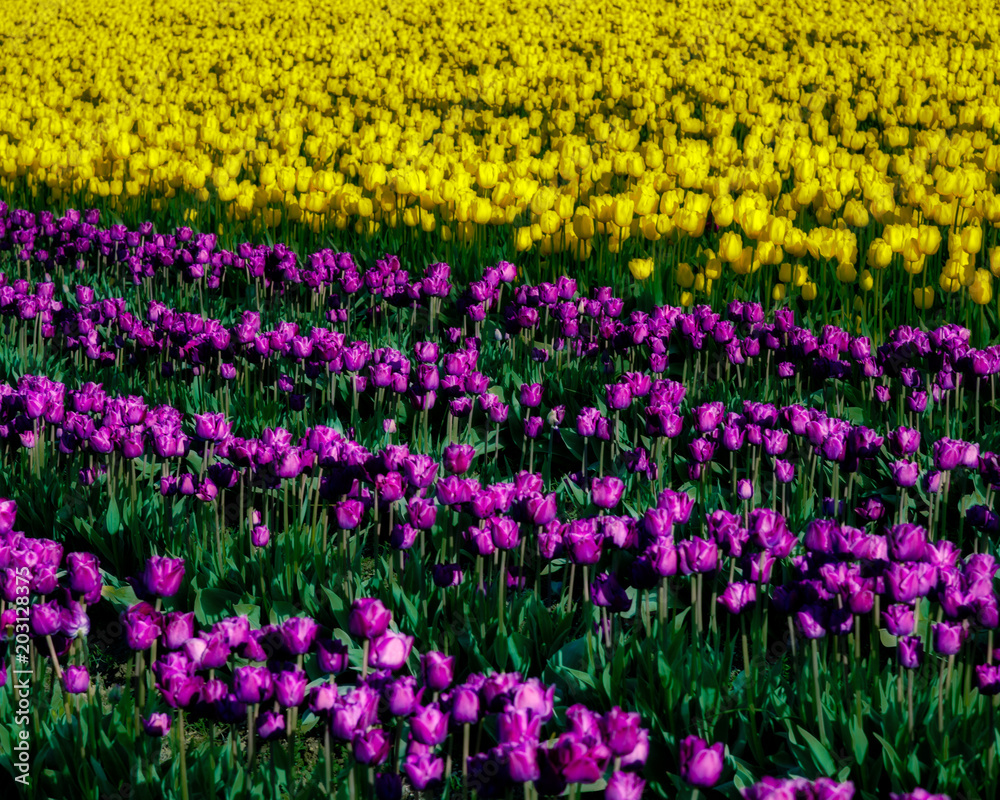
[75,680]
[624,786]
[737,596]
[899,619]
[84,576]
[988,679]
[156,724]
[948,637]
[907,542]
[369,618]
[402,696]
[948,454]
[438,670]
[390,651]
[290,688]
[270,725]
[522,761]
[458,458]
[163,576]
[910,651]
[371,747]
[252,684]
[531,395]
[606,492]
[810,622]
[177,628]
[298,633]
[904,441]
[464,705]
[621,730]
[905,473]
[701,764]
[423,769]
[697,555]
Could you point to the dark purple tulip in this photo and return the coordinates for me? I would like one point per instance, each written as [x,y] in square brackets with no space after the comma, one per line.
[988,679]
[177,628]
[252,684]
[697,555]
[464,703]
[606,492]
[163,576]
[438,670]
[446,575]
[298,633]
[156,724]
[784,470]
[606,592]
[910,651]
[260,536]
[290,687]
[907,542]
[809,622]
[624,786]
[948,637]
[84,576]
[744,489]
[737,596]
[702,450]
[531,395]
[458,458]
[899,619]
[371,747]
[948,454]
[388,786]
[75,680]
[402,696]
[423,769]
[369,618]
[701,764]
[905,473]
[270,725]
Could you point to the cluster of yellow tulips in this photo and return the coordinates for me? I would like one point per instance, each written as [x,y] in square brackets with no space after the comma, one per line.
[816,146]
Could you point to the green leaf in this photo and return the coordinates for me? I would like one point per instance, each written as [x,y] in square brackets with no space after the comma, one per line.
[820,754]
[112,518]
[211,605]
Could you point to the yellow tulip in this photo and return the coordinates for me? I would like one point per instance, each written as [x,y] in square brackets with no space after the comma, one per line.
[641,268]
[923,298]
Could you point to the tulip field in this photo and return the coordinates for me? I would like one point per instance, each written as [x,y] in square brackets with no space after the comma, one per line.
[499,401]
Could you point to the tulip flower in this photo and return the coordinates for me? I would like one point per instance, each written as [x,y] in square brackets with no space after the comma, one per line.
[701,764]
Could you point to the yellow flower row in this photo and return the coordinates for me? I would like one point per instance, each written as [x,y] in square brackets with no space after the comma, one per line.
[794,129]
